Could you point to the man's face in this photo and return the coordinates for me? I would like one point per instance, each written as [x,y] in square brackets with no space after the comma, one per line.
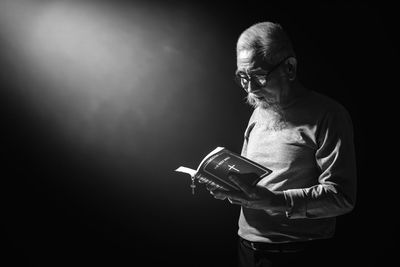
[249,64]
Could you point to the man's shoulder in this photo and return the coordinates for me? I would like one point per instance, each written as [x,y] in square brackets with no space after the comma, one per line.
[328,111]
[322,103]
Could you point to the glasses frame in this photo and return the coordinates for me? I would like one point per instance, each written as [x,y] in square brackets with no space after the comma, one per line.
[251,78]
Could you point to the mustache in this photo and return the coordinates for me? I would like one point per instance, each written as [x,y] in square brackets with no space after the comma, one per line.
[253,100]
[261,101]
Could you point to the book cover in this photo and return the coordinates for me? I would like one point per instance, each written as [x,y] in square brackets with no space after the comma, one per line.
[220,163]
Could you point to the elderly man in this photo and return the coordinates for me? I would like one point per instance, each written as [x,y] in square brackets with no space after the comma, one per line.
[306,139]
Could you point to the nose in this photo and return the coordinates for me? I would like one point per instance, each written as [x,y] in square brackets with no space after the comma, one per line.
[251,88]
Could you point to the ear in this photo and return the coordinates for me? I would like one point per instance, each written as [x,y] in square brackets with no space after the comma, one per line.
[291,68]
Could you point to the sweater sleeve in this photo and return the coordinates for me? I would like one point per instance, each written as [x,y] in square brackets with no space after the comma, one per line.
[335,192]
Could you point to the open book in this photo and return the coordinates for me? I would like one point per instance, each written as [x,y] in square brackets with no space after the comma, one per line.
[221,162]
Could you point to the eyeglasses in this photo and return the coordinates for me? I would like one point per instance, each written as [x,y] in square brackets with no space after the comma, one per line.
[260,80]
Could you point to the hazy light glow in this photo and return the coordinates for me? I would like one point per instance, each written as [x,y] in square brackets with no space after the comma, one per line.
[91,63]
[95,69]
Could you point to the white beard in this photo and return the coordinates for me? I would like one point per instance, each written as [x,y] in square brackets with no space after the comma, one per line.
[275,110]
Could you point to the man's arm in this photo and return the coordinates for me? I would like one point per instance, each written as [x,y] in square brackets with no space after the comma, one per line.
[335,192]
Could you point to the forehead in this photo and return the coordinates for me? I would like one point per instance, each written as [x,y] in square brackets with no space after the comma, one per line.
[248,60]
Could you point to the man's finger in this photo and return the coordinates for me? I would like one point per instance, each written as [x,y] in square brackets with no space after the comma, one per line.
[218,194]
[220,197]
[233,201]
[211,187]
[230,194]
[243,203]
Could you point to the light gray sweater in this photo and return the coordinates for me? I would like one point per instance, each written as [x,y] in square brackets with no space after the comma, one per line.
[311,155]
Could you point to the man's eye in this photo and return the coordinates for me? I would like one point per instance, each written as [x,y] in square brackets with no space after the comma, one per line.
[261,79]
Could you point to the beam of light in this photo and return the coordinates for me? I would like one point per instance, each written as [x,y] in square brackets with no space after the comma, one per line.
[87,58]
[92,62]
[95,70]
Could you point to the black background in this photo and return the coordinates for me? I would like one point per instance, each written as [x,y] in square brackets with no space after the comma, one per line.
[54,216]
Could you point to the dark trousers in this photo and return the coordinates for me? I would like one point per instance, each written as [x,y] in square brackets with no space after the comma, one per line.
[312,253]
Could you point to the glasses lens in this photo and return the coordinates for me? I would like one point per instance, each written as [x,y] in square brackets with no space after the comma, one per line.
[244,82]
[241,81]
[260,80]
[256,80]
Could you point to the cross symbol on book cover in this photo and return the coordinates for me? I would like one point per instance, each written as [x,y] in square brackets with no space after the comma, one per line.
[232,167]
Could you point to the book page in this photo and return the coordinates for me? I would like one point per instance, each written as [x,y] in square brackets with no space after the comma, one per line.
[187,170]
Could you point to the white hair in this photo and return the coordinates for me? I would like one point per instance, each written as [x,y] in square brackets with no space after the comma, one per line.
[267,39]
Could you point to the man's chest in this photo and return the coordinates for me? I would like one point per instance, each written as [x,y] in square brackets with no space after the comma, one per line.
[286,146]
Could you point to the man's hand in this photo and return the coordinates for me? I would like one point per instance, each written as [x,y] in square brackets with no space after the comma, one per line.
[253,197]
